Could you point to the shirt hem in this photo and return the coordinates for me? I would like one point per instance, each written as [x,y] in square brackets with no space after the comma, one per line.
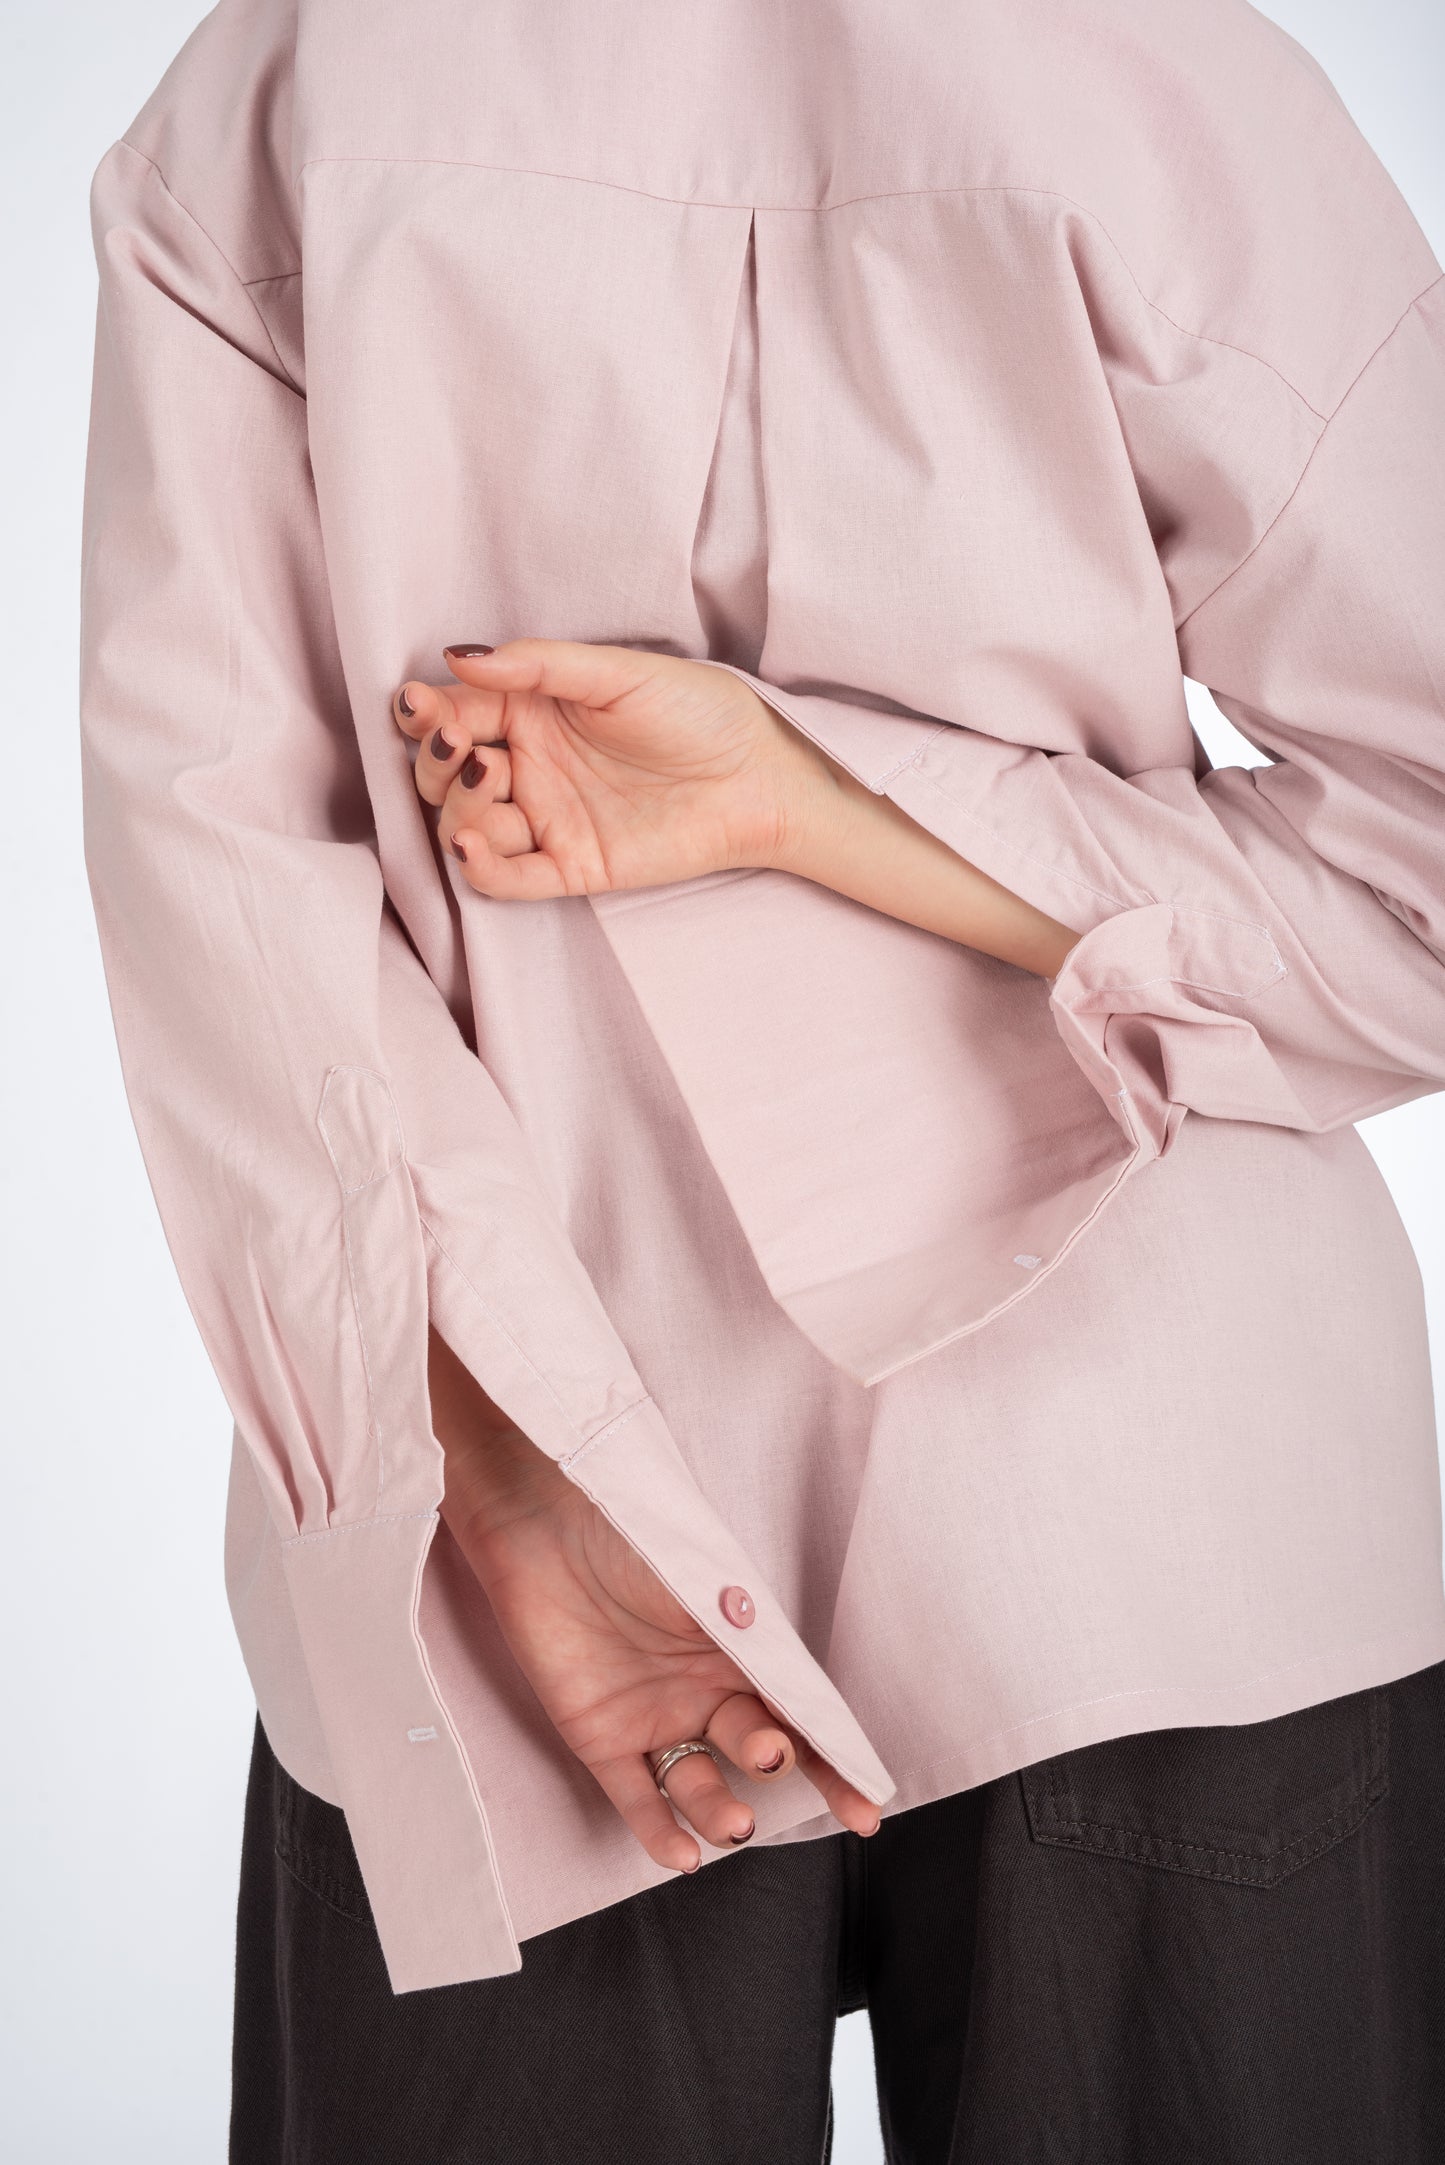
[1285,1690]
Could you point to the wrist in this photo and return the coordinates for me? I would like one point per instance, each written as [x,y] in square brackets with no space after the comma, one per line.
[493,1472]
[845,836]
[834,827]
[819,804]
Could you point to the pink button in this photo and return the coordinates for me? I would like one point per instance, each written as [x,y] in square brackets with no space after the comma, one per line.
[736,1604]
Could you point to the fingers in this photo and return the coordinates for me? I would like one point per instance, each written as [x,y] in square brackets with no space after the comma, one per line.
[698,1788]
[594,676]
[630,1785]
[745,1732]
[695,1788]
[848,1805]
[511,871]
[468,776]
[503,828]
[447,722]
[698,1791]
[480,782]
[752,1738]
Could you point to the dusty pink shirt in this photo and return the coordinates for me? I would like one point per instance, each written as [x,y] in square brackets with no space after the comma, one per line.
[1047,1360]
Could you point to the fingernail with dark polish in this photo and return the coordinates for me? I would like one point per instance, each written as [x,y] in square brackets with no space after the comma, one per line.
[459,848]
[406,706]
[466,650]
[439,747]
[771,1766]
[735,1839]
[471,771]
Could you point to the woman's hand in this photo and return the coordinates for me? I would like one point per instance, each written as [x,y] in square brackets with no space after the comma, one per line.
[620,1667]
[566,769]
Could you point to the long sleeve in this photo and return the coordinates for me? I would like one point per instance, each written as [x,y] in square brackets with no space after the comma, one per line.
[330,1159]
[262,990]
[1267,943]
[1224,459]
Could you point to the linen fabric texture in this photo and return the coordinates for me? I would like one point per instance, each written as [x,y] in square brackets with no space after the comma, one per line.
[1046,1359]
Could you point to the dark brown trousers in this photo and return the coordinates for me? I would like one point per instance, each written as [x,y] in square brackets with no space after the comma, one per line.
[1219,1946]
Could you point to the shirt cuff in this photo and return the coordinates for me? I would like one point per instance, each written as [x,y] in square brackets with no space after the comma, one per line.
[1150,998]
[1146,1001]
[415,1807]
[415,1803]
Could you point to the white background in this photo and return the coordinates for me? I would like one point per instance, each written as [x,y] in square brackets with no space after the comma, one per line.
[127,1710]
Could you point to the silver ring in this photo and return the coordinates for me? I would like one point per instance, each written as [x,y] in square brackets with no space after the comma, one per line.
[667,1760]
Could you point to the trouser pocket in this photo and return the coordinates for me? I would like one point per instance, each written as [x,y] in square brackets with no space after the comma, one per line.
[1250,1803]
[313,1842]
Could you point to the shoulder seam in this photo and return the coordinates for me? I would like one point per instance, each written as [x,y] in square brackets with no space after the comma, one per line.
[1314,449]
[244,284]
[1203,338]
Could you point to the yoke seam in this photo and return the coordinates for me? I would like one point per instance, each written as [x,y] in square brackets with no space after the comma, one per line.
[876,195]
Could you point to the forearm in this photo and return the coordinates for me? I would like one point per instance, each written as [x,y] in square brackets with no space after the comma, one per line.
[864,846]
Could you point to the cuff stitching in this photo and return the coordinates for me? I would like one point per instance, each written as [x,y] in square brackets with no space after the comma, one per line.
[1182,910]
[1053,871]
[602,1434]
[500,1327]
[351,1526]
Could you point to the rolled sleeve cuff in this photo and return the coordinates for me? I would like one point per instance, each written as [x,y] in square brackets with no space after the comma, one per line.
[1153,999]
[1149,999]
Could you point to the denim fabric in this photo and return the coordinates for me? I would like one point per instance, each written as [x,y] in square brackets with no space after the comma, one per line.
[1215,1946]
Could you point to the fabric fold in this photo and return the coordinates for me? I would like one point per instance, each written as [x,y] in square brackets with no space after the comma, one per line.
[286,1052]
[809,1034]
[1039,412]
